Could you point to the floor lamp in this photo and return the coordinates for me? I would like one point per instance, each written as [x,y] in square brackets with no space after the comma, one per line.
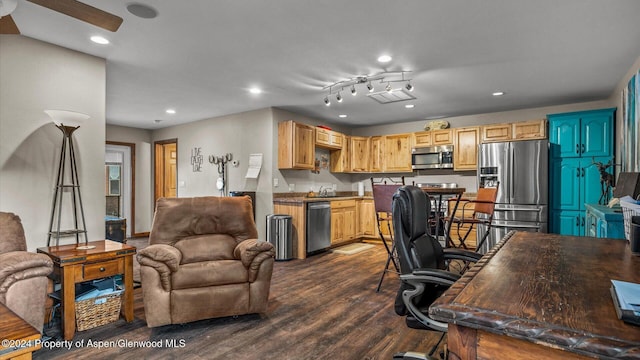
[67,122]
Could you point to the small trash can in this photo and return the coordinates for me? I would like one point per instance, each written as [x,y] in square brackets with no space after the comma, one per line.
[279,233]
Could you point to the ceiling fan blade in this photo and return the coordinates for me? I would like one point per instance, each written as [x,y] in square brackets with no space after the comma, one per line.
[83,12]
[8,26]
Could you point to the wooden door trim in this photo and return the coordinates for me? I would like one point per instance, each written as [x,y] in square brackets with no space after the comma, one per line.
[132,148]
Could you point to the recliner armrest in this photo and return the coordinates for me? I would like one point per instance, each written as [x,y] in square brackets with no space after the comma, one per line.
[20,265]
[164,258]
[252,253]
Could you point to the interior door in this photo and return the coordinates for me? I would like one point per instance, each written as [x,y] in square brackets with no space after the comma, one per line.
[166,162]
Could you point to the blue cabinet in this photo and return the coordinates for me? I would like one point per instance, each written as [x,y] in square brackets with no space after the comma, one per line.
[577,140]
[604,222]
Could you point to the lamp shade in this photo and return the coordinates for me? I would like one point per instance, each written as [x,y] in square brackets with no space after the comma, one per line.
[68,118]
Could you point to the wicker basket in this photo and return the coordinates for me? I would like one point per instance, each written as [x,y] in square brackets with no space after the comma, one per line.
[629,209]
[94,312]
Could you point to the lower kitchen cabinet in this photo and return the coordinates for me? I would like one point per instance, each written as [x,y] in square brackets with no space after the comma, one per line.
[343,221]
[568,222]
[367,216]
[604,222]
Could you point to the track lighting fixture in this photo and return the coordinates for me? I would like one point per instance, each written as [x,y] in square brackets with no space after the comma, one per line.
[352,84]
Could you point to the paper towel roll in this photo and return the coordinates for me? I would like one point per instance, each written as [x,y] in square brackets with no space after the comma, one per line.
[361,188]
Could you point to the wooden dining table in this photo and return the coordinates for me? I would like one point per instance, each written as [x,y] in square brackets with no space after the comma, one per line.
[439,192]
[542,296]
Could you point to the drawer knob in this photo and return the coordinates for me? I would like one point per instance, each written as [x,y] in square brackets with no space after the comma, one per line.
[102,269]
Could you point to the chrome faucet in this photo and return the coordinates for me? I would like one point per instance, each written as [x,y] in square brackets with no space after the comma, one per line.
[322,191]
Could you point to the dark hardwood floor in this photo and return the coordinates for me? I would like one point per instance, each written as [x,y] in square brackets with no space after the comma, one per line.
[323,307]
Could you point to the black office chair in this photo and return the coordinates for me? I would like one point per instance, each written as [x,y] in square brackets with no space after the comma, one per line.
[423,264]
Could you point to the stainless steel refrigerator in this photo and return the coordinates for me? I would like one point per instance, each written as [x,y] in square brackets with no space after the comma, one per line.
[521,168]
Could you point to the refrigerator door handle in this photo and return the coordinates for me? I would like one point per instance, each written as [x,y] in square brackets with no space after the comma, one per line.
[511,162]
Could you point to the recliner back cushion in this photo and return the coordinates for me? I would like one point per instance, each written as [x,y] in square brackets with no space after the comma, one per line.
[179,218]
[11,233]
[206,247]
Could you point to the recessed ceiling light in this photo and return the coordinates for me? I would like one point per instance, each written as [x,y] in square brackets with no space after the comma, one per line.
[342,115]
[409,106]
[255,90]
[99,40]
[170,111]
[498,93]
[384,58]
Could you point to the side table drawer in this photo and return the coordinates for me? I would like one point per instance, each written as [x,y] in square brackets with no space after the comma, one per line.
[102,269]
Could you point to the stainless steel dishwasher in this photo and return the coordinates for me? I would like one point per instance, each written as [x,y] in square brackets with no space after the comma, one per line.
[318,226]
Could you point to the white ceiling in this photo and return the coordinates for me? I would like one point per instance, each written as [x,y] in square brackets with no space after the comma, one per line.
[201,56]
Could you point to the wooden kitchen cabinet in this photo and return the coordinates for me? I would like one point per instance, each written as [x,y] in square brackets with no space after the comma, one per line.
[496,132]
[422,138]
[296,145]
[328,139]
[341,159]
[343,221]
[376,155]
[442,137]
[397,153]
[359,148]
[367,218]
[465,152]
[527,130]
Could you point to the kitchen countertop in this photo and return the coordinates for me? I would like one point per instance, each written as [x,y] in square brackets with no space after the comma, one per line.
[297,198]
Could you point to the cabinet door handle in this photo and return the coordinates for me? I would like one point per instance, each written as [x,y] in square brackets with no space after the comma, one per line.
[578,220]
[582,172]
[577,148]
[583,148]
[583,221]
[577,172]
[102,269]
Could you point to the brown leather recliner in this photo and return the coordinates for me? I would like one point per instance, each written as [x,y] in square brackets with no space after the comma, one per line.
[23,275]
[204,261]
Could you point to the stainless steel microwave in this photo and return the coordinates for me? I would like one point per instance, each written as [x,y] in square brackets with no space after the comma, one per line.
[432,157]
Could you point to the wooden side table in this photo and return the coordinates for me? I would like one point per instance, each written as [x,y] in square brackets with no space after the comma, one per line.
[19,339]
[73,266]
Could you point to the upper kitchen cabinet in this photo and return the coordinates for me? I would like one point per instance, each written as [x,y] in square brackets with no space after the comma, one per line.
[397,153]
[422,138]
[376,155]
[296,145]
[529,130]
[359,149]
[442,137]
[496,132]
[523,130]
[582,134]
[341,159]
[465,148]
[328,139]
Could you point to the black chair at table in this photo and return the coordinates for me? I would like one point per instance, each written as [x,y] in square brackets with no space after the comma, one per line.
[423,263]
[382,198]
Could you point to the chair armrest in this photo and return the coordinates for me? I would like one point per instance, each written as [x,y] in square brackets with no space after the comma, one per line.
[459,254]
[21,265]
[164,258]
[252,253]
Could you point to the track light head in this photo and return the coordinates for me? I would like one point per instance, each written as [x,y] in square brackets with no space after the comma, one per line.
[327,101]
[388,87]
[370,86]
[409,87]
[339,97]
[353,90]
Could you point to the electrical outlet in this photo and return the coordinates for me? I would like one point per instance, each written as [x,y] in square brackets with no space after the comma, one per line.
[275,182]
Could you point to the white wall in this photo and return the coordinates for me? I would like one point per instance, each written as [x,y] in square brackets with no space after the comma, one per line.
[143,172]
[239,134]
[37,76]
